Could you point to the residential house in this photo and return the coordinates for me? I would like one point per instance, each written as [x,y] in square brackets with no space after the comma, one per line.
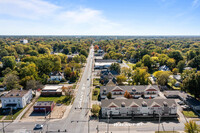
[172,94]
[43,106]
[130,108]
[164,68]
[56,76]
[2,87]
[52,90]
[146,91]
[24,41]
[16,99]
[100,52]
[108,77]
[102,63]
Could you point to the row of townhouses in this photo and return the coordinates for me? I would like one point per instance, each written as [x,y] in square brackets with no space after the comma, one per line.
[146,91]
[130,108]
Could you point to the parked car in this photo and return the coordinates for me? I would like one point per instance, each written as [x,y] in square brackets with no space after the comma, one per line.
[181,103]
[38,126]
[185,107]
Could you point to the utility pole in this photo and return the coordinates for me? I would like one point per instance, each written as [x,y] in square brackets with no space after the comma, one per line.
[97,129]
[159,122]
[108,121]
[128,129]
[89,124]
[3,126]
[12,113]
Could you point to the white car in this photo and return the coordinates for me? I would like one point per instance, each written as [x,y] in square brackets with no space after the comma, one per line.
[38,126]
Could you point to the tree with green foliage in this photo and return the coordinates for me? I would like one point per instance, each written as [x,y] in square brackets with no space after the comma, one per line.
[84,52]
[176,55]
[82,59]
[147,61]
[191,127]
[195,62]
[67,72]
[9,61]
[76,59]
[66,50]
[115,67]
[180,66]
[191,84]
[11,81]
[190,55]
[171,63]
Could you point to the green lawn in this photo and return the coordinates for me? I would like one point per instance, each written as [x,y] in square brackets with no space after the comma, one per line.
[1,116]
[96,82]
[173,87]
[95,96]
[55,99]
[62,99]
[189,114]
[15,114]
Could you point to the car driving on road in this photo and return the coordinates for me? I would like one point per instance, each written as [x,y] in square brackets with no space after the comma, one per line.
[38,126]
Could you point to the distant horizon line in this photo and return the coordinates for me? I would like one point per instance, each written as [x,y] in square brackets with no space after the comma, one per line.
[115,35]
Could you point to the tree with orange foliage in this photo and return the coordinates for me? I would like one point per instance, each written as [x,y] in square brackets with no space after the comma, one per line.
[96,47]
[127,95]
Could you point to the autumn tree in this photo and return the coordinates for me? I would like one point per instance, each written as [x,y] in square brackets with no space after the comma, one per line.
[162,77]
[191,127]
[127,95]
[121,79]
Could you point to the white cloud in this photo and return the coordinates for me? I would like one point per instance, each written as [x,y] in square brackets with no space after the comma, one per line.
[30,9]
[53,19]
[195,3]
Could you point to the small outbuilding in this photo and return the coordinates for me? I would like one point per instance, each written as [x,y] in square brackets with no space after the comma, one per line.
[44,106]
[52,90]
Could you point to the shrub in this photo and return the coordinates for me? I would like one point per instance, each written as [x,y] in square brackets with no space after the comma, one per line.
[95,109]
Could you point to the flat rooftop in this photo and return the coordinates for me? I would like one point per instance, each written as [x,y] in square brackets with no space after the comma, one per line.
[52,87]
[44,103]
[15,93]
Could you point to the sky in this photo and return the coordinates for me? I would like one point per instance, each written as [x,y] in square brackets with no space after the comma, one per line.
[99,17]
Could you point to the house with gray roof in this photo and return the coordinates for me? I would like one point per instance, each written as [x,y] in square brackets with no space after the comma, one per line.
[137,91]
[130,108]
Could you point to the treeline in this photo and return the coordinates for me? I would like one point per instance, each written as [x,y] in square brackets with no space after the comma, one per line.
[31,63]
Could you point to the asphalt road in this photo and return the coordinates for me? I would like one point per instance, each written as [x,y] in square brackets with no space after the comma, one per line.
[77,119]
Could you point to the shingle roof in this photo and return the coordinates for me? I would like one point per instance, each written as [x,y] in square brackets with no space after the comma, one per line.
[139,102]
[138,88]
[56,73]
